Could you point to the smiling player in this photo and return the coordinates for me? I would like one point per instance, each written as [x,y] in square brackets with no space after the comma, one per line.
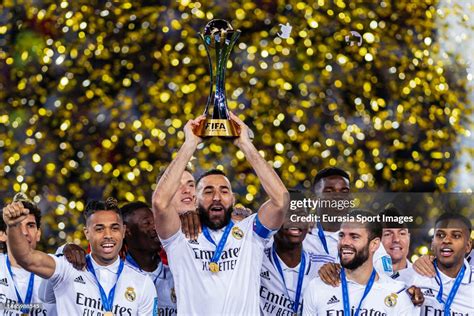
[108,286]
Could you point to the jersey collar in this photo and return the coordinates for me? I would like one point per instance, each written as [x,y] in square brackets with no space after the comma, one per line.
[465,280]
[113,267]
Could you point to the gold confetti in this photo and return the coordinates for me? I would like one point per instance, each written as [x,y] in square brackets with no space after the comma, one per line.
[96,97]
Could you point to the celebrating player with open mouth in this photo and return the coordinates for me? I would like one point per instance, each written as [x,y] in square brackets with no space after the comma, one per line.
[107,286]
[451,291]
[363,291]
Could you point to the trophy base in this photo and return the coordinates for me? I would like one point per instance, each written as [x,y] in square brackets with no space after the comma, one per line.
[217,127]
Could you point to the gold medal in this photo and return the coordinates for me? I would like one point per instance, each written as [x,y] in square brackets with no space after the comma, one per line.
[391,300]
[214,267]
[108,314]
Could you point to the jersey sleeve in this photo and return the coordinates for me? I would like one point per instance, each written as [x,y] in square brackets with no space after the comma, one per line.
[173,241]
[383,262]
[46,292]
[261,231]
[63,269]
[405,306]
[149,302]
[310,300]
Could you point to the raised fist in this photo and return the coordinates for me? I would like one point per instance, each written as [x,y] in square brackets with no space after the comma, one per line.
[14,213]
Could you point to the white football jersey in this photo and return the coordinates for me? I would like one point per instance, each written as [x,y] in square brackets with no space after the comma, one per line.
[274,299]
[470,259]
[234,290]
[387,297]
[463,303]
[382,261]
[164,284]
[403,275]
[8,294]
[77,292]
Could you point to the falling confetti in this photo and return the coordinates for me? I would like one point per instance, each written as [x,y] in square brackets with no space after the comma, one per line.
[94,97]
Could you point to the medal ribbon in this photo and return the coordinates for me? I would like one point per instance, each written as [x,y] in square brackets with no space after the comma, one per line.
[107,301]
[133,263]
[299,285]
[345,292]
[220,246]
[322,237]
[452,293]
[29,291]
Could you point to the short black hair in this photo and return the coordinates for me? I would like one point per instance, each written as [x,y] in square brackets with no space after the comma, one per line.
[210,173]
[455,216]
[94,206]
[129,208]
[373,227]
[328,172]
[392,211]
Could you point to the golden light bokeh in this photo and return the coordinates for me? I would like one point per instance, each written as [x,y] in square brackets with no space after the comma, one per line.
[94,96]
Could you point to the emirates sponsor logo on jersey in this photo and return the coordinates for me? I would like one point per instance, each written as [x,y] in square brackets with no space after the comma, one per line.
[432,311]
[227,260]
[362,311]
[166,311]
[91,306]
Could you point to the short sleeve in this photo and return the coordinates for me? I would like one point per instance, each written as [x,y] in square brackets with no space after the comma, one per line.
[261,230]
[383,262]
[405,305]
[63,268]
[309,300]
[172,241]
[46,292]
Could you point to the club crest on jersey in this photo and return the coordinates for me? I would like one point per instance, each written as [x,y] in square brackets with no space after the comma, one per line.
[237,233]
[130,294]
[173,295]
[391,300]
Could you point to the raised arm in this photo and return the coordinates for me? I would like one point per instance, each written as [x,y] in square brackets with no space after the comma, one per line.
[272,213]
[167,220]
[31,260]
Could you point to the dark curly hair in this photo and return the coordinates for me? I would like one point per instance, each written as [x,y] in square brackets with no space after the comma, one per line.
[94,206]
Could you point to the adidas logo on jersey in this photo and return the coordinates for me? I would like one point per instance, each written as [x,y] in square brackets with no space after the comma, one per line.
[428,292]
[333,300]
[79,279]
[265,275]
[4,281]
[194,242]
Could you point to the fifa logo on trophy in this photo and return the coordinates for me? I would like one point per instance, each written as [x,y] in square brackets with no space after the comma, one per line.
[219,38]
